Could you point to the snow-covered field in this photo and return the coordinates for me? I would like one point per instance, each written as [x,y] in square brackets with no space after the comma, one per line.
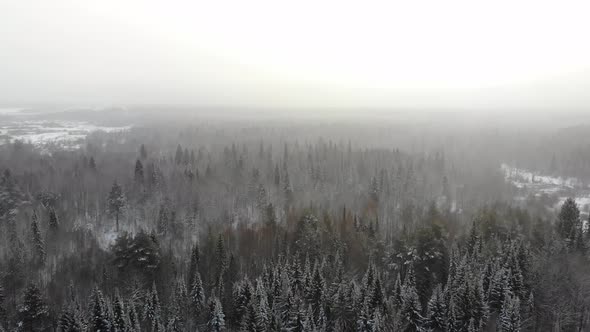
[534,183]
[20,124]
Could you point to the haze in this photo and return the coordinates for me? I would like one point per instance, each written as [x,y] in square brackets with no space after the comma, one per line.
[420,54]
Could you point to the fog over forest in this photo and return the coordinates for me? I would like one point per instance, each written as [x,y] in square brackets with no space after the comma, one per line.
[294,166]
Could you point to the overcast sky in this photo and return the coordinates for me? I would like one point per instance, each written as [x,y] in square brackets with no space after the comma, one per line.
[436,54]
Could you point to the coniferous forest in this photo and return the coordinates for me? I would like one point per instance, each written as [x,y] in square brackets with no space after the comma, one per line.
[242,228]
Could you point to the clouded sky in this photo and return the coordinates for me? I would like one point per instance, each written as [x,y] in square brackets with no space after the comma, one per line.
[449,54]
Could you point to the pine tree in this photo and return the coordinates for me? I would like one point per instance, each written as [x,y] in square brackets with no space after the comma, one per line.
[243,297]
[197,295]
[37,240]
[569,220]
[250,320]
[287,190]
[133,318]
[68,322]
[364,322]
[100,318]
[499,287]
[221,259]
[153,311]
[138,174]
[318,290]
[216,319]
[377,296]
[410,309]
[34,312]
[194,263]
[509,319]
[453,323]
[120,321]
[164,218]
[116,202]
[437,311]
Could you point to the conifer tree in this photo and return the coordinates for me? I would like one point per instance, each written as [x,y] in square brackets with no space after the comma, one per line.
[120,322]
[318,290]
[38,243]
[68,322]
[116,202]
[33,313]
[194,263]
[100,319]
[197,295]
[216,318]
[568,222]
[152,309]
[509,319]
[134,322]
[138,173]
[437,310]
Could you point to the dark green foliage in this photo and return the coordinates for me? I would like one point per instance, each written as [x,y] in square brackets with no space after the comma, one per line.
[116,202]
[569,223]
[139,253]
[37,240]
[33,313]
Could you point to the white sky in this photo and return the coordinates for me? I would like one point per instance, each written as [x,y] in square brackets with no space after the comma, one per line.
[449,54]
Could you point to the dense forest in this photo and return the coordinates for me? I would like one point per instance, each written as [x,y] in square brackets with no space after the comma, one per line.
[208,229]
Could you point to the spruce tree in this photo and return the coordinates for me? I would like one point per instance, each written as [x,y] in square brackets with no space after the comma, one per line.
[411,309]
[68,322]
[216,318]
[116,202]
[153,311]
[120,322]
[568,221]
[194,263]
[33,313]
[134,322]
[100,318]
[138,173]
[197,295]
[509,319]
[437,310]
[38,243]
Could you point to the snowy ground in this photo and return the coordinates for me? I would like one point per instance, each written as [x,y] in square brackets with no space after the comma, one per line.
[534,183]
[19,124]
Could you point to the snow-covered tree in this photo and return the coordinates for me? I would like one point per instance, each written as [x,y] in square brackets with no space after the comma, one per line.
[216,318]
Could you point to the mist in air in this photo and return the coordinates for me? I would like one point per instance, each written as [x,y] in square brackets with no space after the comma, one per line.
[298,166]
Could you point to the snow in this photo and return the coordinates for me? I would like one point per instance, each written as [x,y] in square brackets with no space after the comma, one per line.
[522,177]
[538,184]
[68,134]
